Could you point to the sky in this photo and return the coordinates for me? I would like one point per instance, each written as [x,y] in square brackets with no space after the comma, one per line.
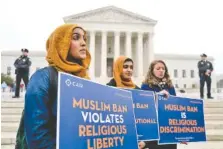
[184,26]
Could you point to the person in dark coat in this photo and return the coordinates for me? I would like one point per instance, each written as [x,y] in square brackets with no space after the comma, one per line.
[122,73]
[205,69]
[22,65]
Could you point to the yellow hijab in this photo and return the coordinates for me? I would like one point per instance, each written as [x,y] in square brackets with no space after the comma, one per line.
[58,45]
[117,72]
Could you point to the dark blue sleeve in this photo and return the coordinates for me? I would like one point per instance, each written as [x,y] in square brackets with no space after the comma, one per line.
[36,114]
[172,91]
[211,67]
[145,87]
[16,63]
[148,88]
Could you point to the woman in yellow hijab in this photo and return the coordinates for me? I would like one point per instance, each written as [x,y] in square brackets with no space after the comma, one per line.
[122,73]
[66,52]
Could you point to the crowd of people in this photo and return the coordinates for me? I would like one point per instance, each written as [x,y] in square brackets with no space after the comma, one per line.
[67,52]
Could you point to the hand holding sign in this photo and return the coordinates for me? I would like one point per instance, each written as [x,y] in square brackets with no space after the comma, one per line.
[141,145]
[164,93]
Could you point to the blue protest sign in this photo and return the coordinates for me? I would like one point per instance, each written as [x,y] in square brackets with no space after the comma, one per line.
[180,120]
[94,116]
[145,115]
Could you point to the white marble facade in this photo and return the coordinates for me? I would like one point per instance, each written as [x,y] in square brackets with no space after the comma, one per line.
[113,32]
[182,68]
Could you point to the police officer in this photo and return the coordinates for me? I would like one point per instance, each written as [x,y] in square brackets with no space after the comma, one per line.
[22,65]
[205,69]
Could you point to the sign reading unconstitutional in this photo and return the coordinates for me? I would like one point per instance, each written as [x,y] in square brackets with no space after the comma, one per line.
[180,120]
[94,116]
[145,115]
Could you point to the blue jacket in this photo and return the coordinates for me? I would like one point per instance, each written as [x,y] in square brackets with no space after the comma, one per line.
[171,90]
[39,117]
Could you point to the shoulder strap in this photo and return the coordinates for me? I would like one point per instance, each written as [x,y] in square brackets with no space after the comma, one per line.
[53,84]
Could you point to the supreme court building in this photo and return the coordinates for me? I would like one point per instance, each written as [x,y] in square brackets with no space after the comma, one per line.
[113,32]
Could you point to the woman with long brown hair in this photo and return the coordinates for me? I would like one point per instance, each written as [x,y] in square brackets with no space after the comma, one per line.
[158,80]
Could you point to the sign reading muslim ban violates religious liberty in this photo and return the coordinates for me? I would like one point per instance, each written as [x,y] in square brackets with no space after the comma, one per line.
[145,115]
[94,116]
[180,120]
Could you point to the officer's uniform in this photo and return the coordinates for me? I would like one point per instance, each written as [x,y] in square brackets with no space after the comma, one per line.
[22,65]
[203,66]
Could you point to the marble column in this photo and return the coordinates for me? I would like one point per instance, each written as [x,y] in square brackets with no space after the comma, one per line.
[128,45]
[104,54]
[92,51]
[116,45]
[140,54]
[150,50]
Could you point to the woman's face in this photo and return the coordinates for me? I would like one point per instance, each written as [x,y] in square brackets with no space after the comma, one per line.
[78,49]
[25,53]
[127,70]
[159,70]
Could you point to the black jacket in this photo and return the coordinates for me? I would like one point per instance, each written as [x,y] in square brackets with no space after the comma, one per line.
[22,65]
[203,66]
[113,83]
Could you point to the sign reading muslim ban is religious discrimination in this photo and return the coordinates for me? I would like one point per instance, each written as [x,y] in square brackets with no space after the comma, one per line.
[145,115]
[180,120]
[94,116]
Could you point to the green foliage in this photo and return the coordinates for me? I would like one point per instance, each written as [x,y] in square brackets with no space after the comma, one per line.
[8,79]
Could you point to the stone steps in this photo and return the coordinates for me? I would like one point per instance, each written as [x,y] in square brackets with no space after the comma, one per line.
[13,126]
[14,111]
[11,113]
[7,146]
[16,108]
[213,110]
[214,117]
[10,127]
[13,100]
[213,105]
[15,117]
[12,104]
[216,102]
[8,138]
[214,125]
[10,118]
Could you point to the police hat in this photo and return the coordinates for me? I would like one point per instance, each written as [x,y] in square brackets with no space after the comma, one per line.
[25,50]
[203,55]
